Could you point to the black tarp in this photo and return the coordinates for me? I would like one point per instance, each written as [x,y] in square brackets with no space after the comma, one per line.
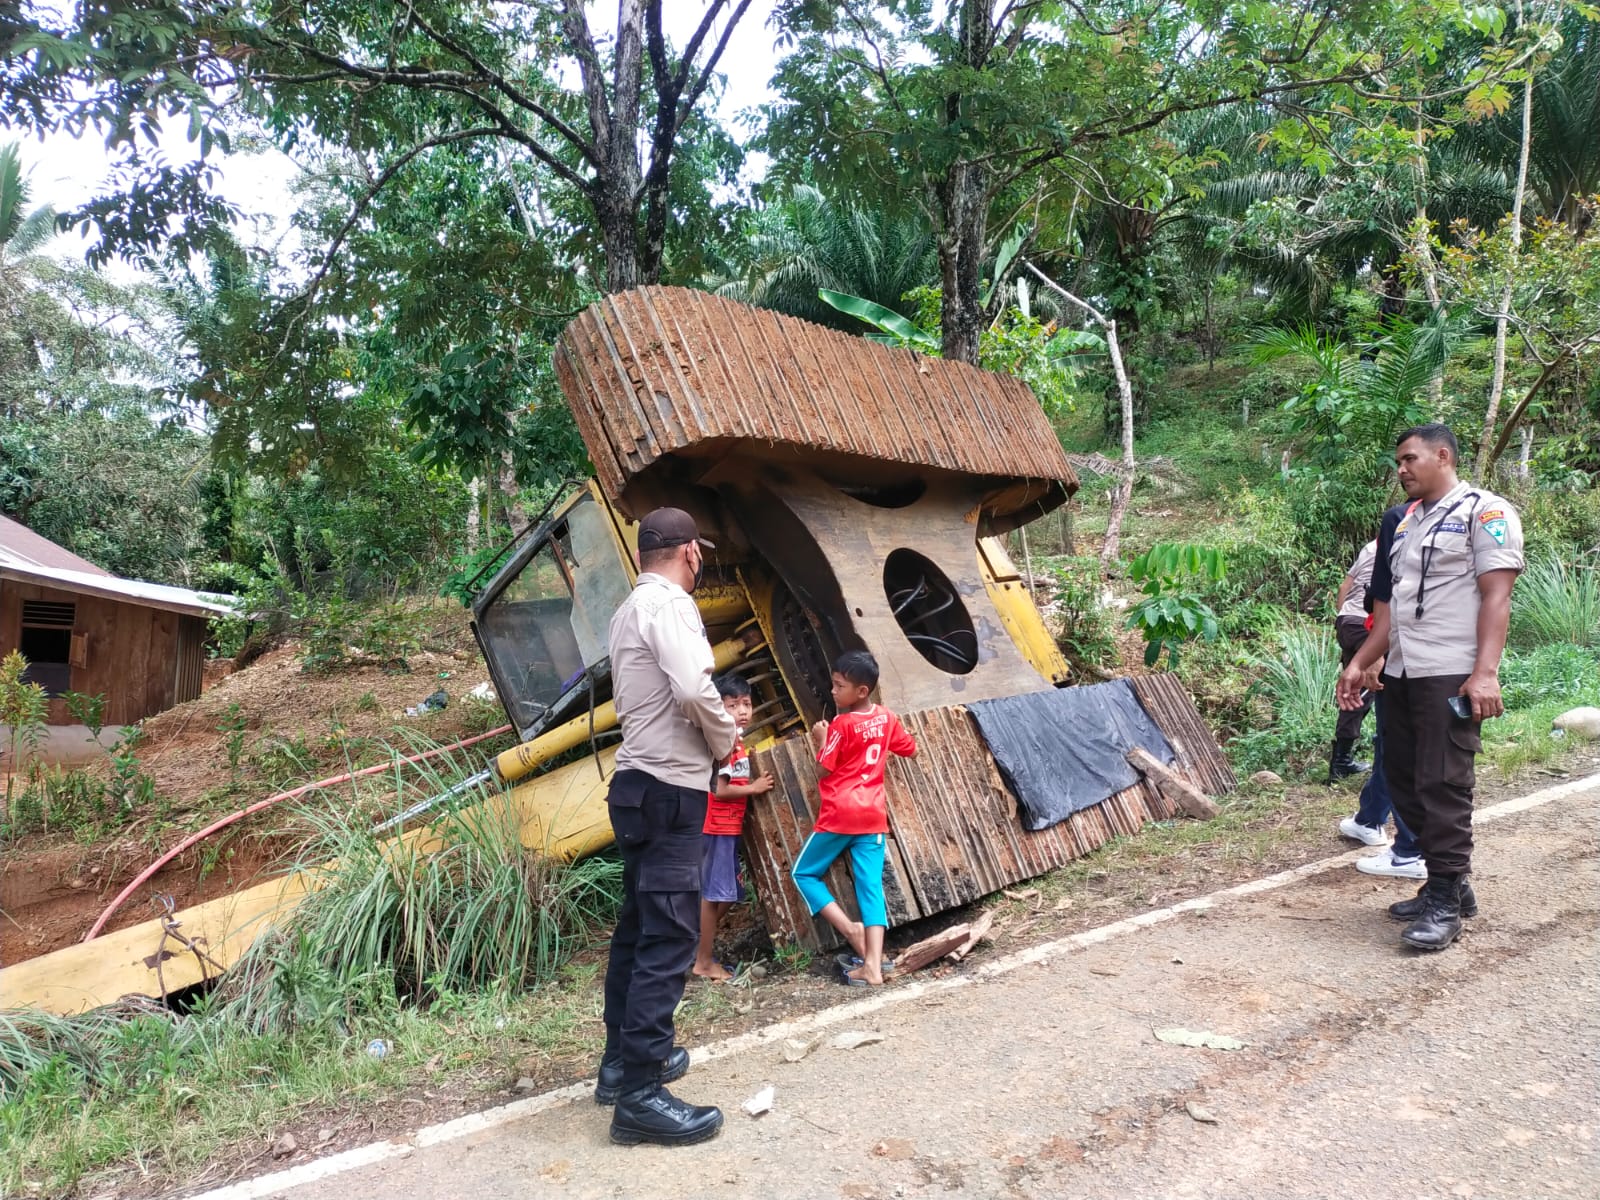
[1063,750]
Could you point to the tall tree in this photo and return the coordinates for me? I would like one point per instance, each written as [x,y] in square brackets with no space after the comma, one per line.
[968,101]
[403,75]
[23,305]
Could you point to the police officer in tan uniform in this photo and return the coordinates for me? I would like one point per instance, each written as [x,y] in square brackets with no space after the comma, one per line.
[1441,590]
[674,728]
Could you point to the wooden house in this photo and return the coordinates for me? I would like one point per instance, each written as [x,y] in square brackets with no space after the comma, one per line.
[82,629]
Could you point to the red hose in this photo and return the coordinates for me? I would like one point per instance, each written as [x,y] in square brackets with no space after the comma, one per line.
[122,896]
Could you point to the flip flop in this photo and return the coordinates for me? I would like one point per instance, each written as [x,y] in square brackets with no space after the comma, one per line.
[850,981]
[849,962]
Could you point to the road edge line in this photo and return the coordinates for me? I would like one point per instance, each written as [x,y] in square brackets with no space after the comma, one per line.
[492,1118]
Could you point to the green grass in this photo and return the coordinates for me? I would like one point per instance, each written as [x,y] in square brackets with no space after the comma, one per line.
[167,1096]
[1538,686]
[480,911]
[1555,601]
[1297,676]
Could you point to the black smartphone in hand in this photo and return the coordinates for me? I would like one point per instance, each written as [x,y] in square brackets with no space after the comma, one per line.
[1461,706]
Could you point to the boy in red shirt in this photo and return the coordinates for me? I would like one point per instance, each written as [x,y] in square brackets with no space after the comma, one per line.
[854,813]
[719,854]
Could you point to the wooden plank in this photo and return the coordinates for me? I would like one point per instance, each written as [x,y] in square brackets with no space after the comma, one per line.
[1191,801]
[160,676]
[132,629]
[931,949]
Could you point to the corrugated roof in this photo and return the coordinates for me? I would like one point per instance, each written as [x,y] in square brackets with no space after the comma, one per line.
[19,544]
[132,591]
[657,370]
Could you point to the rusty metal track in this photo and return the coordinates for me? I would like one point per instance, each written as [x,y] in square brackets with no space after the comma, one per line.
[954,832]
[657,370]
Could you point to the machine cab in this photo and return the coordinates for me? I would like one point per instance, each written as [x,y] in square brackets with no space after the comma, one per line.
[541,619]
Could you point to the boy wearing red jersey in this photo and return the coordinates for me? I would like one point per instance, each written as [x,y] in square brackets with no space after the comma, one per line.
[854,813]
[719,856]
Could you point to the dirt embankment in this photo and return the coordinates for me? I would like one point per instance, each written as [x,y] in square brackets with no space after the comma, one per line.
[252,733]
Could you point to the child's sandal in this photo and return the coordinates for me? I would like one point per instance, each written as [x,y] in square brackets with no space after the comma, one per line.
[849,962]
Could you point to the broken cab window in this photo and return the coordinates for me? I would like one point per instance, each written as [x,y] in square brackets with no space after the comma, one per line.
[545,624]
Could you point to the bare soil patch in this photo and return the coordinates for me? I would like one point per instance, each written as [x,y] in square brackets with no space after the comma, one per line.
[253,733]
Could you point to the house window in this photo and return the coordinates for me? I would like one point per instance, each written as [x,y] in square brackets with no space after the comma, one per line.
[47,644]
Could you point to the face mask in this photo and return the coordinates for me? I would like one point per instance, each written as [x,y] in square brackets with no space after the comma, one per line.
[699,571]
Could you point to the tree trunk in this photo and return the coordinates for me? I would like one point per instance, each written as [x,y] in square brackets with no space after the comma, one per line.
[1211,340]
[1422,251]
[1124,492]
[1128,467]
[613,109]
[963,201]
[1497,381]
[619,235]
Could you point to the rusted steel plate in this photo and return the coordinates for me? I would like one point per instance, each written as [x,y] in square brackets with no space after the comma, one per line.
[656,371]
[954,831]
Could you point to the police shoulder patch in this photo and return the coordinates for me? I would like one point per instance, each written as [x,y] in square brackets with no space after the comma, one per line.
[1493,514]
[1496,529]
[690,616]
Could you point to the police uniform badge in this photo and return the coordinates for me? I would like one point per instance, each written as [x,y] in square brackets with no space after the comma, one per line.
[1494,524]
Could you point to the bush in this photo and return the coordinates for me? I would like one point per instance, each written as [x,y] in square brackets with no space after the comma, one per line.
[1221,676]
[391,921]
[1172,612]
[1088,633]
[1558,672]
[1557,602]
[1560,524]
[1298,679]
[1266,562]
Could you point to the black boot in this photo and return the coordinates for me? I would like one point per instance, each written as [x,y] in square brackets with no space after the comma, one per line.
[1439,923]
[1410,910]
[1342,763]
[652,1114]
[609,1086]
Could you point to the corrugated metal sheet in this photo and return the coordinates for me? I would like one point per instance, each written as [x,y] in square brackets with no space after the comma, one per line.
[21,545]
[658,370]
[954,832]
[134,591]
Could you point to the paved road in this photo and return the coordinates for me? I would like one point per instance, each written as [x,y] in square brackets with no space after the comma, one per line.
[1368,1072]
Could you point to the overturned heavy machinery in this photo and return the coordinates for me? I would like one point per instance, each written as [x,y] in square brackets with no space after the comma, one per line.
[858,496]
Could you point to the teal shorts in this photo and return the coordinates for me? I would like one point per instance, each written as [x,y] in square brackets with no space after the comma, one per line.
[866,868]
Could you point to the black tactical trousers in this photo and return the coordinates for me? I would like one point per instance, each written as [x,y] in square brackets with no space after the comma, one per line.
[658,827]
[1352,635]
[1428,755]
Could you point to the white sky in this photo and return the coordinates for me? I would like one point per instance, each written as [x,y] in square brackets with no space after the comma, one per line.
[64,171]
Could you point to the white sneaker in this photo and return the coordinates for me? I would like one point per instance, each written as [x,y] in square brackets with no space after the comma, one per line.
[1365,834]
[1385,863]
